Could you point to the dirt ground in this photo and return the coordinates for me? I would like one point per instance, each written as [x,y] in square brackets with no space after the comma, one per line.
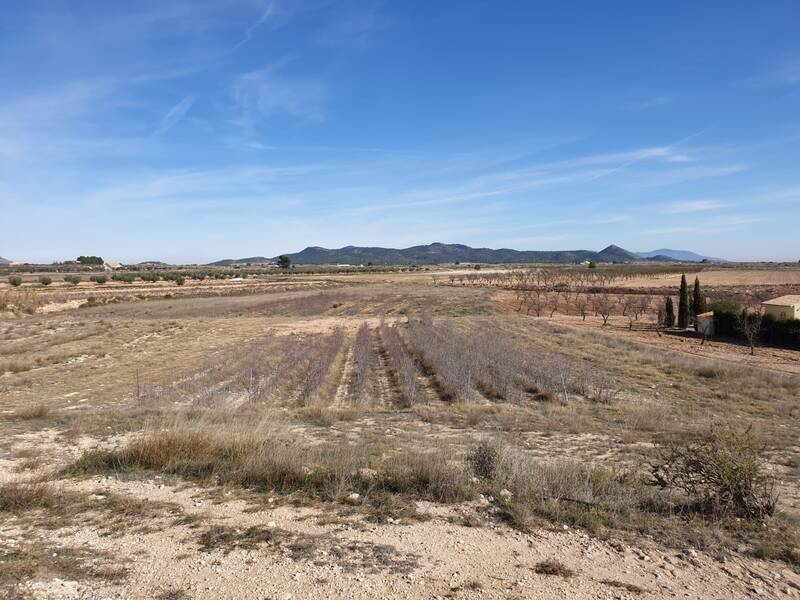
[99,378]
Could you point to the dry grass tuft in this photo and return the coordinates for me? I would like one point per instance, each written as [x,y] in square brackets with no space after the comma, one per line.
[230,538]
[327,472]
[24,562]
[20,496]
[29,413]
[628,587]
[551,566]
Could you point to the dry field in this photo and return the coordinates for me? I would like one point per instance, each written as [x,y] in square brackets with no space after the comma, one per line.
[387,435]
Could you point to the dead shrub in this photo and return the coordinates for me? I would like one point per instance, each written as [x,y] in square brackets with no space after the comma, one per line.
[230,538]
[628,587]
[19,496]
[484,459]
[721,475]
[36,411]
[551,566]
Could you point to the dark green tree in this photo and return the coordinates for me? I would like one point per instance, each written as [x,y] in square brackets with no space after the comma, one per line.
[699,305]
[284,262]
[683,305]
[90,260]
[669,313]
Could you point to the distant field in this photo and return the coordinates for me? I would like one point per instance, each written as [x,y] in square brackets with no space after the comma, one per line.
[387,434]
[731,276]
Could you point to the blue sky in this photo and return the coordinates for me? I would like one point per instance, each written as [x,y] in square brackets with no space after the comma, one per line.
[191,131]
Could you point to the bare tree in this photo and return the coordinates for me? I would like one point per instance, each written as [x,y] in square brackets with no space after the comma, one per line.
[750,325]
[603,306]
[582,304]
[553,303]
[641,306]
[404,368]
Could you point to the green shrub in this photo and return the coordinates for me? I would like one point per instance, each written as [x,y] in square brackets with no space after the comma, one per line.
[73,279]
[484,459]
[15,280]
[45,280]
[99,279]
[721,475]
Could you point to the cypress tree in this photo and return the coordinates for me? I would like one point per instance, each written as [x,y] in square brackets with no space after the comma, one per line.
[669,316]
[683,305]
[698,299]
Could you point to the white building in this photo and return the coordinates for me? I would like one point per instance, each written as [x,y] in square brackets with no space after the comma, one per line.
[783,308]
[704,323]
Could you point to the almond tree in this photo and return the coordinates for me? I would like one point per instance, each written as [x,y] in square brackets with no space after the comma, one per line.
[603,306]
[750,321]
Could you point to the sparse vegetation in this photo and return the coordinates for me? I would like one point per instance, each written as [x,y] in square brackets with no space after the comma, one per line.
[721,475]
[551,566]
[246,459]
[371,404]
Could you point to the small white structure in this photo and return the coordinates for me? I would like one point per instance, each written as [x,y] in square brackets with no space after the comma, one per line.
[783,308]
[111,265]
[704,323]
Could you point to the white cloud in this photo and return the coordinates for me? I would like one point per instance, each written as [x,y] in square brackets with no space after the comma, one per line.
[691,206]
[262,19]
[654,102]
[787,73]
[174,115]
[263,94]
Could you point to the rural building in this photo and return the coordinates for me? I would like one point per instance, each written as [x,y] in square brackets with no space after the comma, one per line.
[783,308]
[111,265]
[704,323]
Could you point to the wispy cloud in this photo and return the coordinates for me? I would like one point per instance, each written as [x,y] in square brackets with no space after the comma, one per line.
[262,19]
[788,73]
[174,115]
[654,102]
[265,93]
[691,206]
[711,226]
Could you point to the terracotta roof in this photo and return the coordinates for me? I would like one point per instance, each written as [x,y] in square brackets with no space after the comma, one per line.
[792,300]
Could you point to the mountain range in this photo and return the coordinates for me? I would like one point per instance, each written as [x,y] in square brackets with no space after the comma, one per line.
[438,253]
[4,261]
[679,255]
[253,260]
